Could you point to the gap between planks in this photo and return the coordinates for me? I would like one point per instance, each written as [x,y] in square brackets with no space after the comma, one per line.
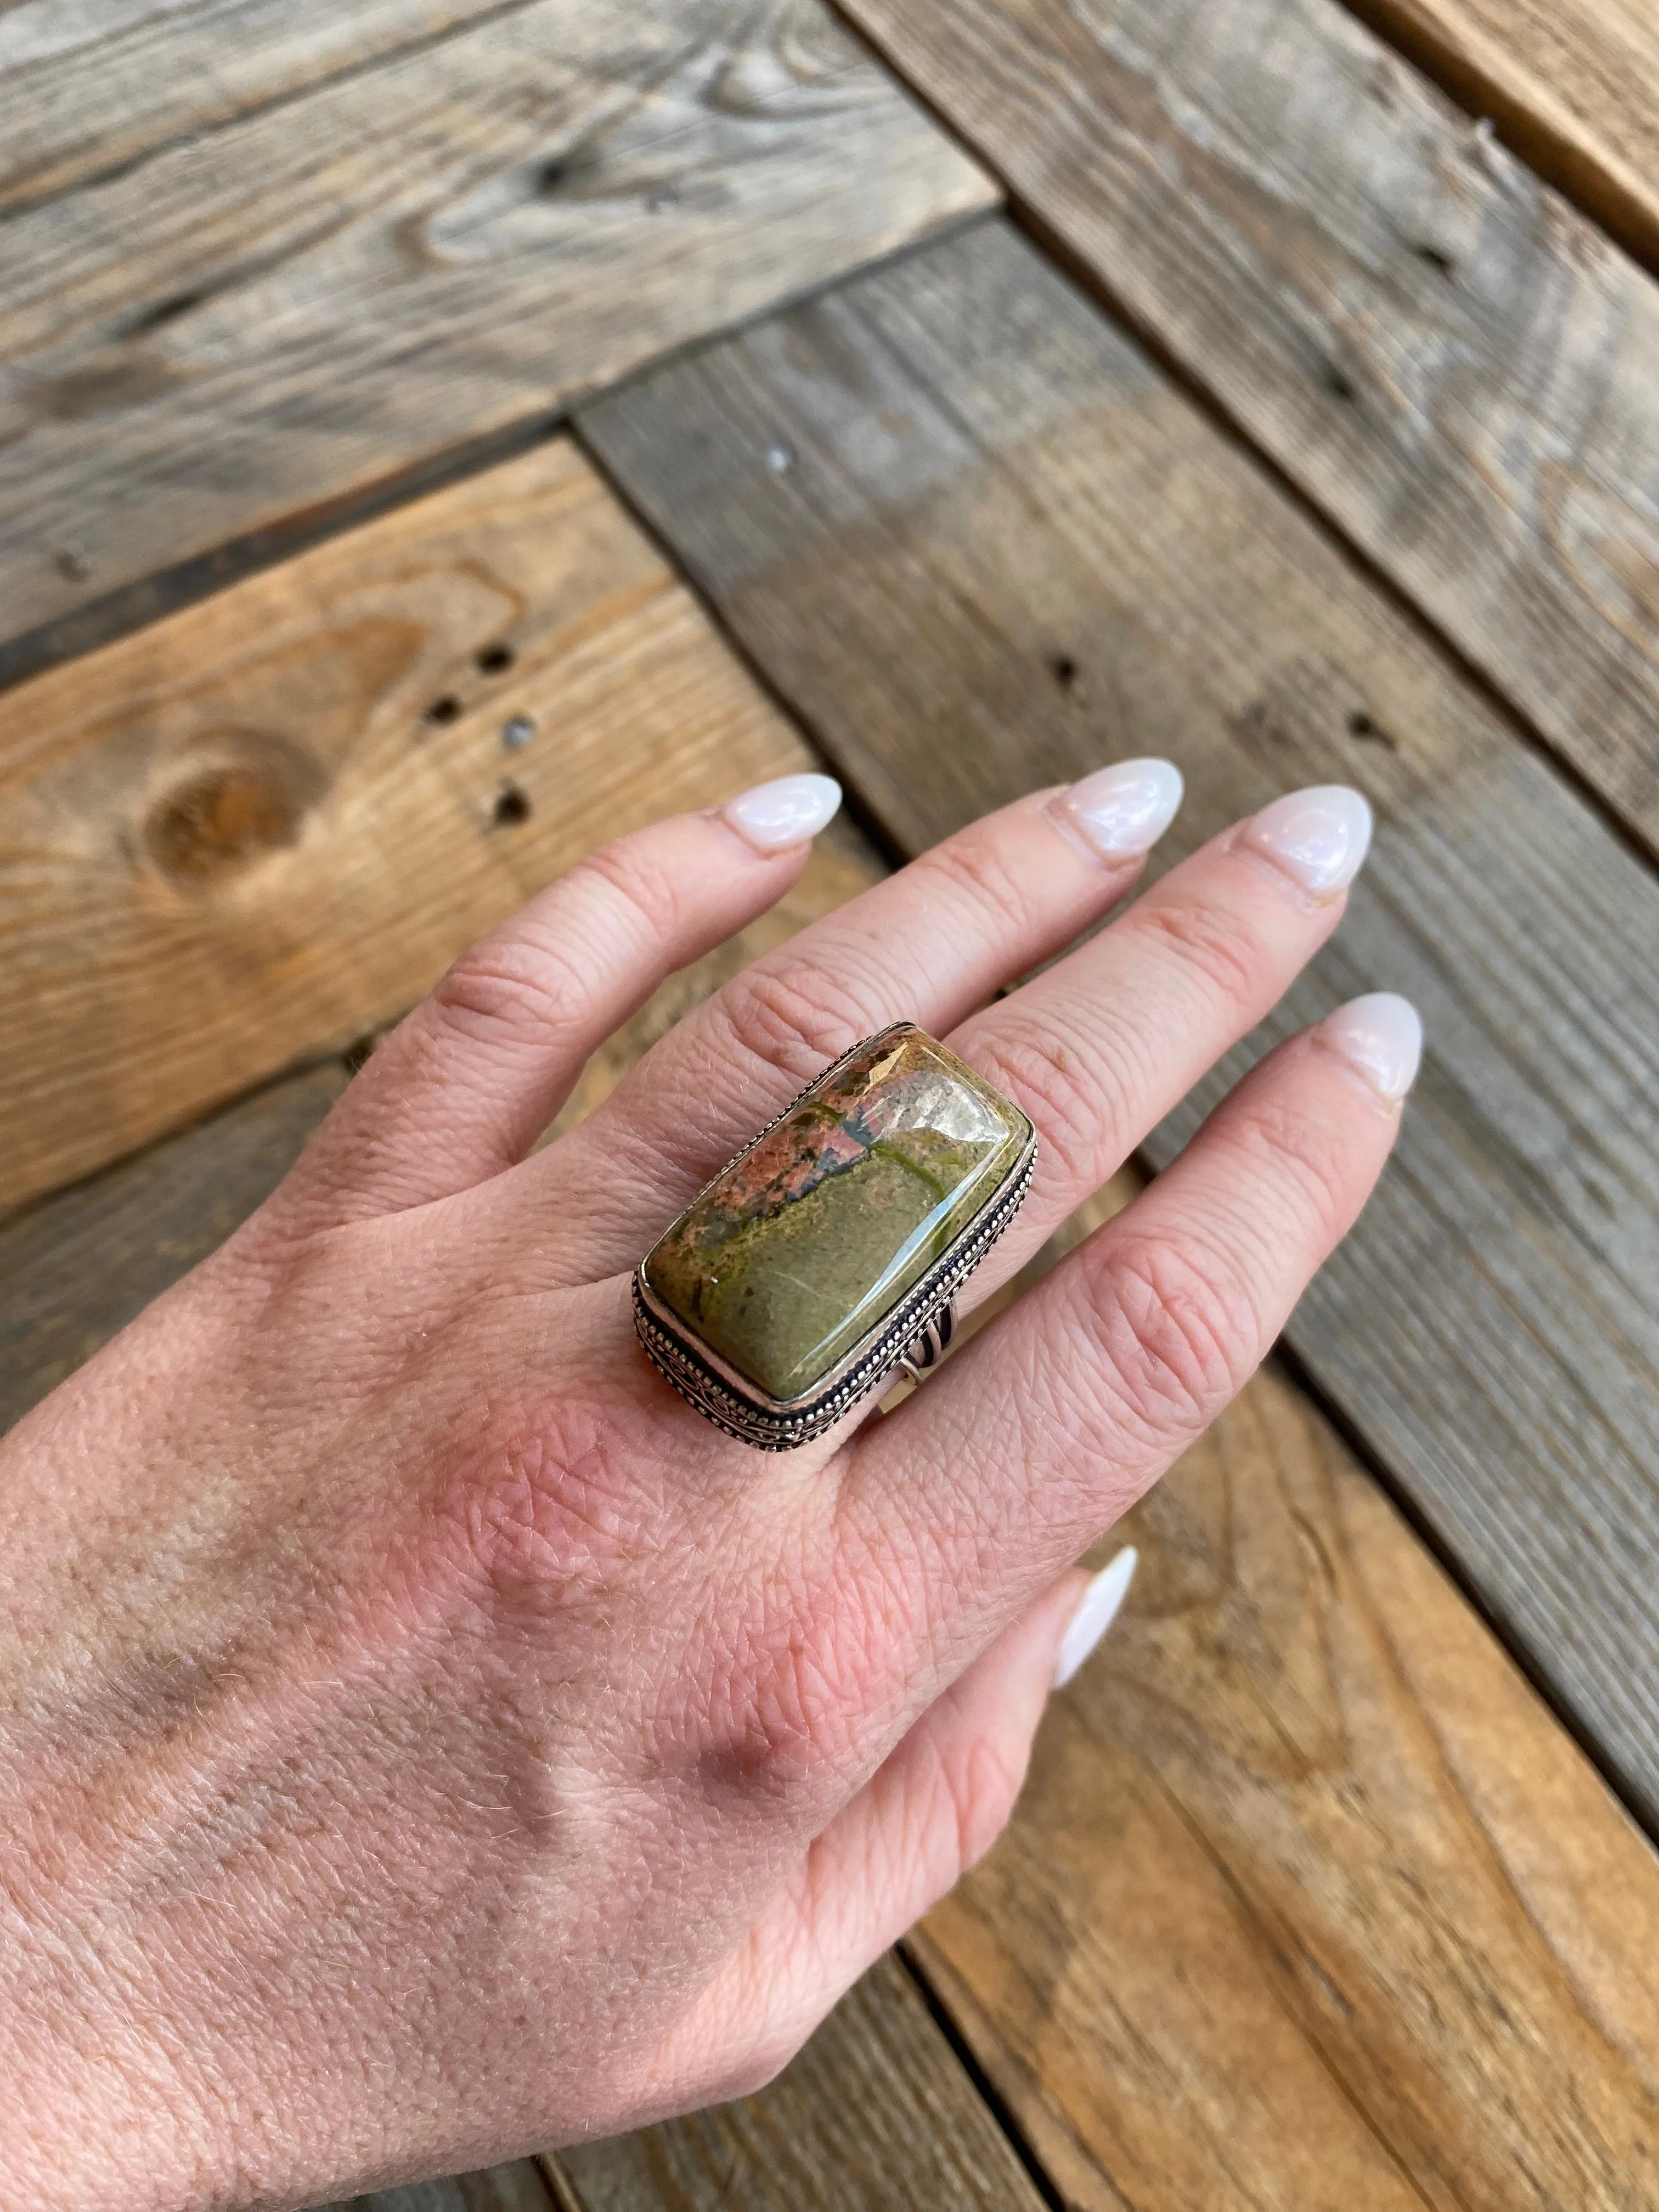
[1439,353]
[1006,549]
[256,324]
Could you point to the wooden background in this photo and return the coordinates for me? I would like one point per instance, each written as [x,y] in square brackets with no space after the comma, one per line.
[433,436]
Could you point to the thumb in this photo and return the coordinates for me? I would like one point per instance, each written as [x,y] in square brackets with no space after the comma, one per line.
[935,1805]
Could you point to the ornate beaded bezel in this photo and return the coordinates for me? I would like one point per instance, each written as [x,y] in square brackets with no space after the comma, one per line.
[729,1399]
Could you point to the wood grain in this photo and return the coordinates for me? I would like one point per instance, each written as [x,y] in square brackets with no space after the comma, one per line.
[222,336]
[876,2115]
[1007,549]
[85,90]
[1573,86]
[77,1265]
[1449,361]
[255,832]
[1309,1903]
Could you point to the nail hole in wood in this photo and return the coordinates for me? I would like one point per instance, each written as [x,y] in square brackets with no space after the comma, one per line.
[512,806]
[163,313]
[1064,670]
[1438,258]
[1368,730]
[447,709]
[492,658]
[1338,383]
[553,176]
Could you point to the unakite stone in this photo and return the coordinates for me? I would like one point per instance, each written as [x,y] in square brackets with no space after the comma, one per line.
[810,1240]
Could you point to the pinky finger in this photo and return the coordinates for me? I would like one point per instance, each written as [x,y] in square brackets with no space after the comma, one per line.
[934,1807]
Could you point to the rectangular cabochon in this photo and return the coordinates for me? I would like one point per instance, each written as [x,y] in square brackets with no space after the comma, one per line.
[806,1243]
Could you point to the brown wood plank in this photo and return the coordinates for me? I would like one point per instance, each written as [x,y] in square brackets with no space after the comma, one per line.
[85,90]
[219,337]
[1309,1903]
[79,1265]
[1006,548]
[258,830]
[1443,354]
[1573,86]
[876,2115]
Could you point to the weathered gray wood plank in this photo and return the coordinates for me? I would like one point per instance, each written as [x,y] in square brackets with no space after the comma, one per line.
[1006,548]
[245,325]
[86,87]
[79,1265]
[1452,363]
[1572,85]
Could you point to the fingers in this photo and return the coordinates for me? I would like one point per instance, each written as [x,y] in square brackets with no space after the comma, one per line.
[931,943]
[1101,1047]
[463,1088]
[933,1809]
[1016,1455]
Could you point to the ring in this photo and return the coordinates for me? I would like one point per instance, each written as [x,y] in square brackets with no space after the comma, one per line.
[826,1258]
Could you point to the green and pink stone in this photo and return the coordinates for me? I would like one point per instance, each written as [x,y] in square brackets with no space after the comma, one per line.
[807,1243]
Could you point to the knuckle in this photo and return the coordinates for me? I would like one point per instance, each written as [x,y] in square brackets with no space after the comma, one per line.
[1209,939]
[550,1502]
[1179,1330]
[652,896]
[793,1695]
[975,1788]
[514,990]
[975,863]
[791,1016]
[1296,1151]
[1073,1102]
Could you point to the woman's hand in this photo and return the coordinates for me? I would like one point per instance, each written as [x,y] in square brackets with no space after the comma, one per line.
[422,1737]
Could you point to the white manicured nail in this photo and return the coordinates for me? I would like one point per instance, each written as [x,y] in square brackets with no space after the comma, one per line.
[1319,838]
[1095,1615]
[1123,811]
[1382,1035]
[774,816]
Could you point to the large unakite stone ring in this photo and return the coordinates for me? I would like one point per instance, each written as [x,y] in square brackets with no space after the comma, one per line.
[827,1256]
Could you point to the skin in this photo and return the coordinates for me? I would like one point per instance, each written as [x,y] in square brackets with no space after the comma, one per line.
[423,1739]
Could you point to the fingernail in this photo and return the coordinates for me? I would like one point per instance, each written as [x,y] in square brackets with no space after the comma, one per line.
[1123,811]
[1095,1615]
[774,816]
[1382,1035]
[1320,837]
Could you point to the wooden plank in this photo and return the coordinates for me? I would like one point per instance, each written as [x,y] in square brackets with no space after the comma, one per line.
[258,830]
[1308,1902]
[518,2188]
[79,1265]
[84,89]
[876,2115]
[220,336]
[82,1264]
[1572,85]
[1006,548]
[1450,362]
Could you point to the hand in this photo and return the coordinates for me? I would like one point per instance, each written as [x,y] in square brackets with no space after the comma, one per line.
[424,1737]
